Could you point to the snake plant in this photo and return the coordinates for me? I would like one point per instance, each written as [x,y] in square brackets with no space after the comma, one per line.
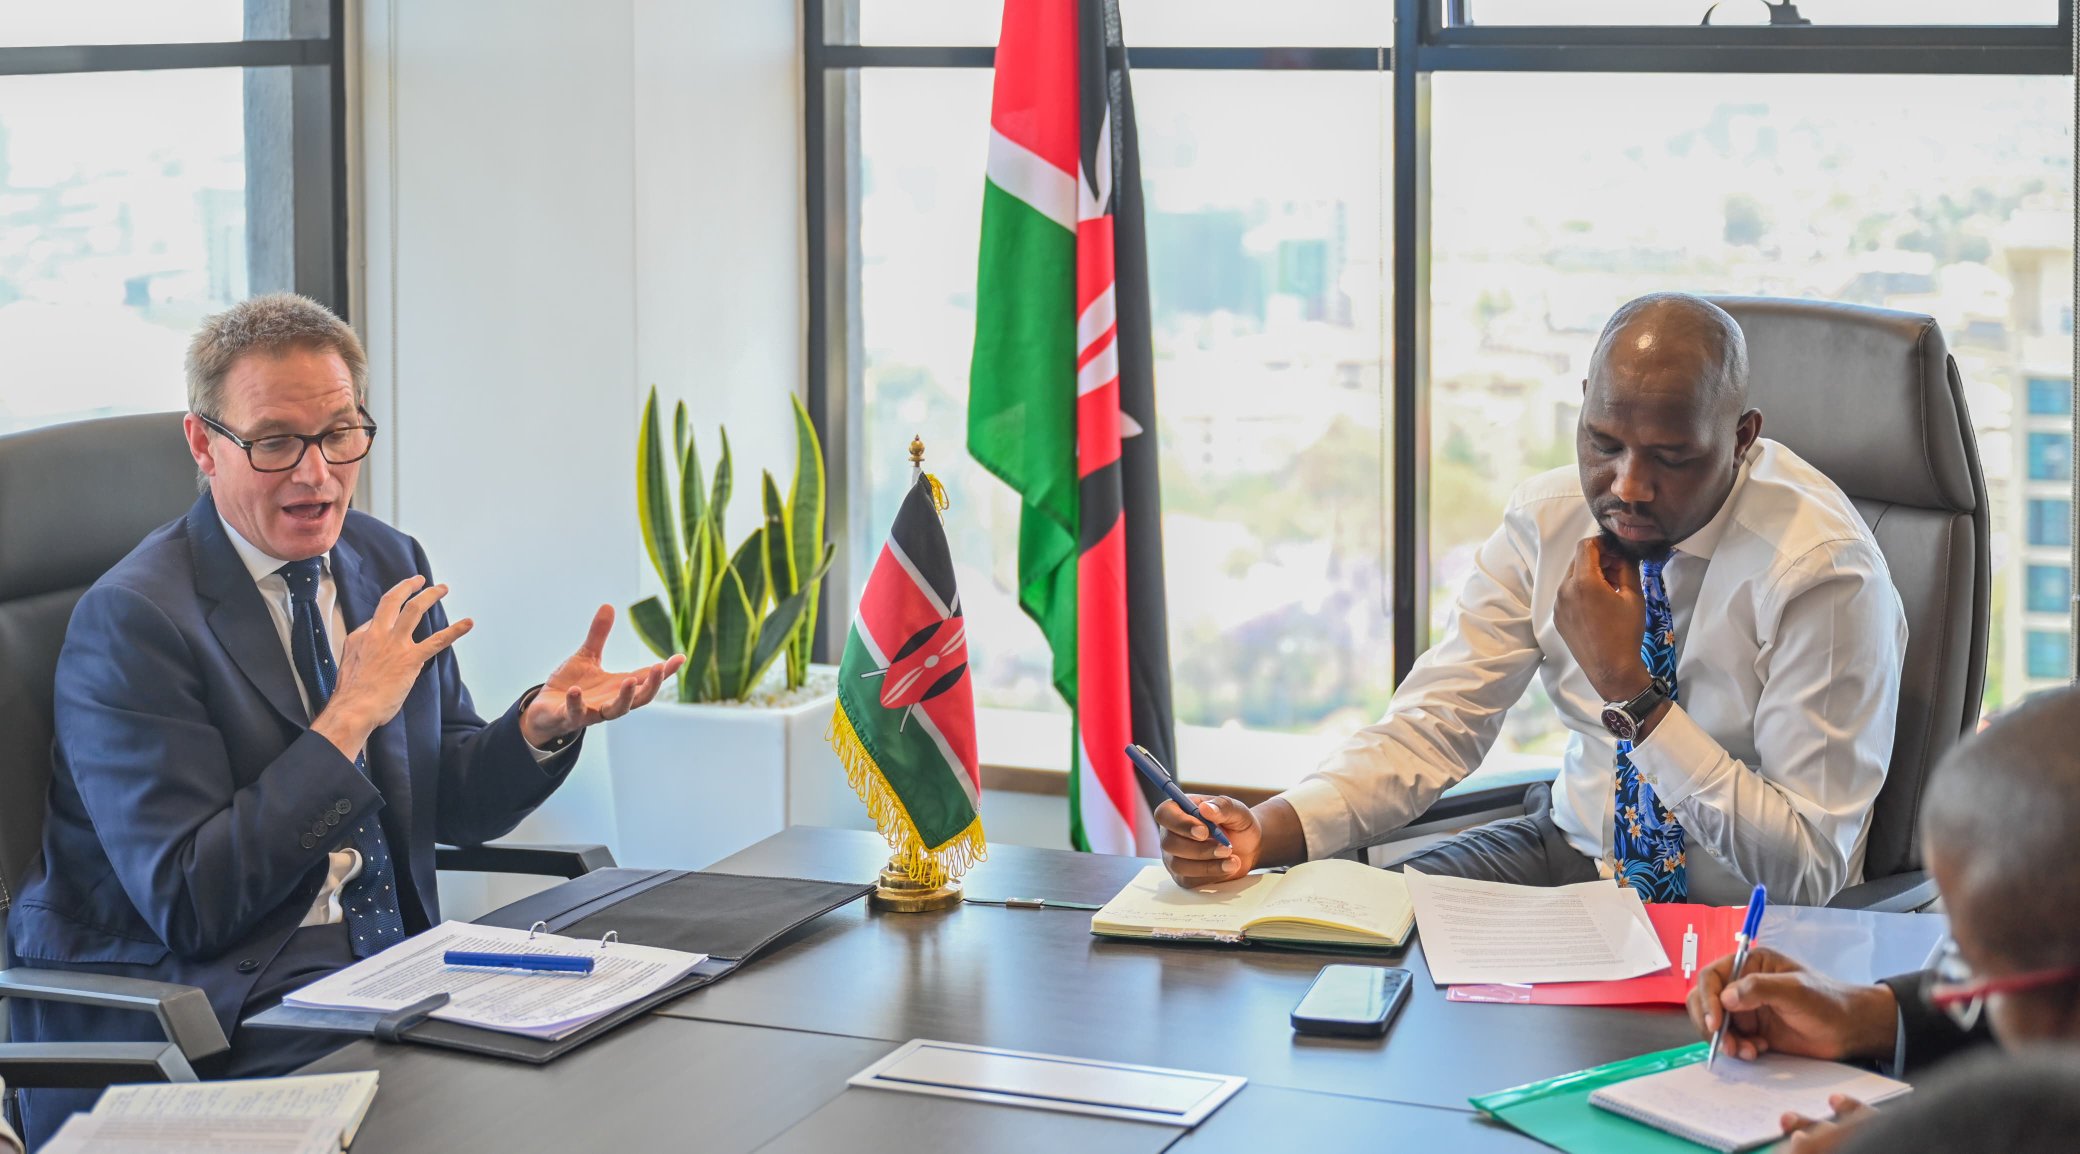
[731,613]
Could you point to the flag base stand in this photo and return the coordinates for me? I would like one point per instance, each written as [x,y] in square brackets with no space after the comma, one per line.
[899,893]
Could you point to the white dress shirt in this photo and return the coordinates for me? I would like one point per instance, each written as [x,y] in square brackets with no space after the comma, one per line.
[1788,683]
[343,864]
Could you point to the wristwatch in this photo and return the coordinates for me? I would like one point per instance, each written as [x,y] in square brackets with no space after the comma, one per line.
[1623,718]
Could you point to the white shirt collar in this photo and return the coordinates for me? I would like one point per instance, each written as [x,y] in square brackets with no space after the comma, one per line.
[1701,543]
[257,561]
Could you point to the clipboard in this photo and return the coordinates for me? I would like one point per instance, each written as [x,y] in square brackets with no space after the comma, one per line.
[730,917]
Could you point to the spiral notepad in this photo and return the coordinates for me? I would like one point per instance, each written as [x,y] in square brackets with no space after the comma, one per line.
[1737,1105]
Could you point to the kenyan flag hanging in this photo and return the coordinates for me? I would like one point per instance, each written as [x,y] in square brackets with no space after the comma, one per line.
[905,722]
[1061,395]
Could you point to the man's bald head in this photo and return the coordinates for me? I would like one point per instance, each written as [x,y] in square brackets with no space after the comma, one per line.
[1665,421]
[1674,340]
[2001,823]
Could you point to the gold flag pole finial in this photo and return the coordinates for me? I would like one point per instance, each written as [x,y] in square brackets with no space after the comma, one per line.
[902,888]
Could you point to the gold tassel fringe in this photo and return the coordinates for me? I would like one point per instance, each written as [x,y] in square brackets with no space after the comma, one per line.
[938,492]
[931,866]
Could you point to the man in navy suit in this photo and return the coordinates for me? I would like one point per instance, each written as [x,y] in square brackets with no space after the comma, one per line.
[261,729]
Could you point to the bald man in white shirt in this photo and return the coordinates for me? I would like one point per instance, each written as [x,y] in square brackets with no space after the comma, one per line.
[1756,762]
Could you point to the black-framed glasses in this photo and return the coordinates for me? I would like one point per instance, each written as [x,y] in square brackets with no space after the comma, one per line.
[281,452]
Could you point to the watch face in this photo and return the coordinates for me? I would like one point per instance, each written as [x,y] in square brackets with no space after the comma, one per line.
[1619,723]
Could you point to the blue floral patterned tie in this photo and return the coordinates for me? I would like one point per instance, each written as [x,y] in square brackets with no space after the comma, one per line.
[1648,848]
[369,902]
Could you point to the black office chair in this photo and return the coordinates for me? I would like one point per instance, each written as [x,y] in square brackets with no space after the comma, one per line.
[73,500]
[1872,398]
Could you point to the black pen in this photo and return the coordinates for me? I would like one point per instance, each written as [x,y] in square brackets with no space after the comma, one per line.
[1153,770]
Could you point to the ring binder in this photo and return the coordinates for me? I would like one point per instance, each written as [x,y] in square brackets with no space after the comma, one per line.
[612,937]
[537,928]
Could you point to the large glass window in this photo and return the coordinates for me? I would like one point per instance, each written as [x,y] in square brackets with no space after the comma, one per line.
[1265,211]
[1944,195]
[1543,198]
[134,203]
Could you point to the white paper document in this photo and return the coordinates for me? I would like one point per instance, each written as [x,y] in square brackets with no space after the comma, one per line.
[99,1134]
[1483,932]
[1050,1082]
[534,1003]
[343,1099]
[1736,1105]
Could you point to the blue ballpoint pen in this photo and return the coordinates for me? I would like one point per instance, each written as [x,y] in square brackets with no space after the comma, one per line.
[1159,777]
[1749,928]
[551,963]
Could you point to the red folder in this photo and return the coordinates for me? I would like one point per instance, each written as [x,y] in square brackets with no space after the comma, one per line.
[1715,926]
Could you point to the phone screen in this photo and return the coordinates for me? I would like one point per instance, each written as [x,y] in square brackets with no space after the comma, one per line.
[1343,993]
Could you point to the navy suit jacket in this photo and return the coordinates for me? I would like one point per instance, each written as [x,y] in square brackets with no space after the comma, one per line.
[191,808]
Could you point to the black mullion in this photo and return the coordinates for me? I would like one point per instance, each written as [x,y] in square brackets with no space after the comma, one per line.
[1834,36]
[342,257]
[1298,58]
[47,59]
[1919,60]
[816,239]
[1409,548]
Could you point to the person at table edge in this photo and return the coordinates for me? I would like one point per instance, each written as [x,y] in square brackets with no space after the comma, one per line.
[1683,544]
[261,730]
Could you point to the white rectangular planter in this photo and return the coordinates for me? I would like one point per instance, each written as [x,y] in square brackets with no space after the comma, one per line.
[696,783]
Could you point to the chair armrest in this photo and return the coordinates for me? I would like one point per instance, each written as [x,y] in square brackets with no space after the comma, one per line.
[1457,805]
[556,861]
[1902,893]
[90,1065]
[190,1025]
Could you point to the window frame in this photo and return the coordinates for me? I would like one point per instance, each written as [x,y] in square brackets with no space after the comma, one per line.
[313,157]
[1429,37]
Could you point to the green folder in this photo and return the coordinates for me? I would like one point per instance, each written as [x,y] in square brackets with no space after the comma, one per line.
[1557,1111]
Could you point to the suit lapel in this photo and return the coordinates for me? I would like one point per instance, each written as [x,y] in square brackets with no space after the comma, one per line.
[238,616]
[389,756]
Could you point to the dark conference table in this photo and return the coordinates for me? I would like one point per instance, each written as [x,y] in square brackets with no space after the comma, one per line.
[759,1061]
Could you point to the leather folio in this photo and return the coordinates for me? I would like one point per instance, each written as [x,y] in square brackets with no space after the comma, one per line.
[731,918]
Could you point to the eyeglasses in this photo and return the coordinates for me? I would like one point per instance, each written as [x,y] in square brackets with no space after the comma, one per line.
[1963,995]
[281,452]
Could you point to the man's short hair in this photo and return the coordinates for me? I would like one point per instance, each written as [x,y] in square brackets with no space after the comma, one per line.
[270,324]
[2003,808]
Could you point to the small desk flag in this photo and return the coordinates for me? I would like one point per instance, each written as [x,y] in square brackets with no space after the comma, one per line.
[905,723]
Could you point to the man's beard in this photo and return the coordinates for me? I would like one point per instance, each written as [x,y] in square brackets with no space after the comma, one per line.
[1635,550]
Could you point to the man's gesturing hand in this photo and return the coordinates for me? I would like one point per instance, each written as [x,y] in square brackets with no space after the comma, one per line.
[379,661]
[581,693]
[1190,853]
[1780,1005]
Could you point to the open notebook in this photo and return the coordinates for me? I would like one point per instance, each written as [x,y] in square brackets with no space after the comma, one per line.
[1329,904]
[1738,1105]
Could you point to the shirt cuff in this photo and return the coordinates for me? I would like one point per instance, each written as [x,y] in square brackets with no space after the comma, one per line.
[1679,758]
[541,754]
[1325,817]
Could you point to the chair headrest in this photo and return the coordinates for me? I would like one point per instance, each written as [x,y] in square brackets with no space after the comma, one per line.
[1867,395]
[85,494]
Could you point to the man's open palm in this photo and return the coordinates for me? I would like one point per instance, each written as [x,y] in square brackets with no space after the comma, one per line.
[580,692]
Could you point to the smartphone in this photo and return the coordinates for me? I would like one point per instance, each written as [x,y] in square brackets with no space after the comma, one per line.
[1352,1001]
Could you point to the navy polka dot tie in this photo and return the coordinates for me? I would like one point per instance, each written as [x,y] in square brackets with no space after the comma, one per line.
[369,902]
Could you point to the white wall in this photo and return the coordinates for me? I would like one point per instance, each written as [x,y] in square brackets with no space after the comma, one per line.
[560,203]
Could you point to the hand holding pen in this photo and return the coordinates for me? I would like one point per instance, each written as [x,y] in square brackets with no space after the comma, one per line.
[1742,942]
